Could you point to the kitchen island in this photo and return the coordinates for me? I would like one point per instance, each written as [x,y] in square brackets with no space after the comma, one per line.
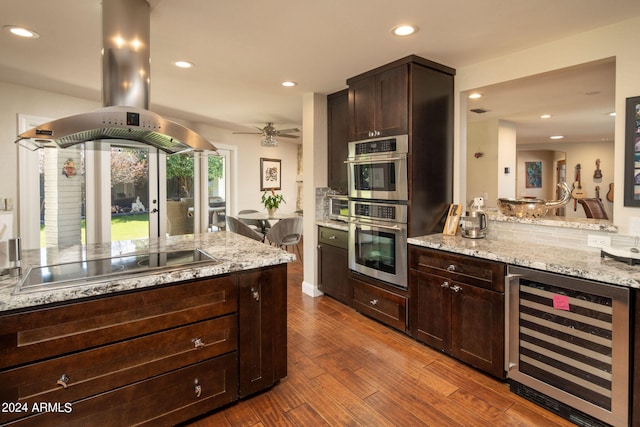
[156,348]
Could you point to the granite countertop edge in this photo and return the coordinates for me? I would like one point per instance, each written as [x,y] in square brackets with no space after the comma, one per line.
[585,264]
[232,253]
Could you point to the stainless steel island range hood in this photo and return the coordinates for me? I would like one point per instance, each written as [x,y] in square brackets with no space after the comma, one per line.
[125,93]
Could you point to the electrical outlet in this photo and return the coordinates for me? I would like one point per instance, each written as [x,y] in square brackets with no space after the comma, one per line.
[597,241]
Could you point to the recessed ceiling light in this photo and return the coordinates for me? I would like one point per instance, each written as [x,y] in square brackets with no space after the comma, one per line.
[289,84]
[475,95]
[183,64]
[21,32]
[404,30]
[556,137]
[545,116]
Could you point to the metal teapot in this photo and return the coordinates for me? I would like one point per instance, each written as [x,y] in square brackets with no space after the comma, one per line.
[533,208]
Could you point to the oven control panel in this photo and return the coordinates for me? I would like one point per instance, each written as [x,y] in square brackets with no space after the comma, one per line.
[390,212]
[392,145]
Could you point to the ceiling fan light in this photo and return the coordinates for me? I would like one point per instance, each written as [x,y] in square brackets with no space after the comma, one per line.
[269,141]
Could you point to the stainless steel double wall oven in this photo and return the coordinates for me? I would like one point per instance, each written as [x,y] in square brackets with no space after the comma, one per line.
[378,193]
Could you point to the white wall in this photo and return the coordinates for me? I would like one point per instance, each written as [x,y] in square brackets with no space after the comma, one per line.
[247,194]
[611,41]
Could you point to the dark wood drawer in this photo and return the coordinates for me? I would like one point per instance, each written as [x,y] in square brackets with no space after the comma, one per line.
[333,237]
[100,369]
[159,401]
[478,272]
[386,306]
[53,331]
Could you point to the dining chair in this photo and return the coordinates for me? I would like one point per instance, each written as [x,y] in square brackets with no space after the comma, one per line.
[286,232]
[243,229]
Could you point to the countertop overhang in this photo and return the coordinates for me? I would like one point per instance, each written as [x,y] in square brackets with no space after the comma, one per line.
[232,253]
[586,264]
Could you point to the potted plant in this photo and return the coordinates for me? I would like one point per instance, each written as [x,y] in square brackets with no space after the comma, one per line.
[272,201]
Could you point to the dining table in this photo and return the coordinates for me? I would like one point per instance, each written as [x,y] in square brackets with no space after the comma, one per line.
[264,217]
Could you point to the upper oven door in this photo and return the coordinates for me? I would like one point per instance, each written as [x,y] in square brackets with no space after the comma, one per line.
[379,177]
[378,168]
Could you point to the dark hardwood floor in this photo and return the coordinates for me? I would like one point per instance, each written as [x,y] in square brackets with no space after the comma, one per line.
[348,370]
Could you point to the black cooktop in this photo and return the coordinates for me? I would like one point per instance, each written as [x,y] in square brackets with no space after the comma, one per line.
[70,274]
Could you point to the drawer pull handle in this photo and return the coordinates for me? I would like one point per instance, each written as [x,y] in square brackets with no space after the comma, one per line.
[333,237]
[456,288]
[374,302]
[444,285]
[198,388]
[197,342]
[255,294]
[63,381]
[451,267]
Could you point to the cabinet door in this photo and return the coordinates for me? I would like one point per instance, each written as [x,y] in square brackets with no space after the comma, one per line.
[361,108]
[477,321]
[334,273]
[338,139]
[262,317]
[431,310]
[392,101]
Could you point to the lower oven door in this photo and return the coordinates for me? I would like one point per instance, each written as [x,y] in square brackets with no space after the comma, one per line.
[569,345]
[379,250]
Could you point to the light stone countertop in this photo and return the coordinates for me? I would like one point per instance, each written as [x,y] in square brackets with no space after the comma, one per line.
[231,251]
[586,264]
[331,223]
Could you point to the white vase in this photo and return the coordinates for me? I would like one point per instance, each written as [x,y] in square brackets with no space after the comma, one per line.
[272,212]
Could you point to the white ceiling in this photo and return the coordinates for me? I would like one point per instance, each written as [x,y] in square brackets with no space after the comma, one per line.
[243,49]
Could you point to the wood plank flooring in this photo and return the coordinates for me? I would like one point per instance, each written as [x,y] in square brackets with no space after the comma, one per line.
[348,370]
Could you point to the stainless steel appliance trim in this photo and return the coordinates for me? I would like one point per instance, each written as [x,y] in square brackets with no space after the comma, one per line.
[394,227]
[618,415]
[375,159]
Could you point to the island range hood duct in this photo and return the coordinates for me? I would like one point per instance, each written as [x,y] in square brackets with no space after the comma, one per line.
[125,93]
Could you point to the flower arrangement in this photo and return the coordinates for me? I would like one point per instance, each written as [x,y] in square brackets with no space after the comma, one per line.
[273,200]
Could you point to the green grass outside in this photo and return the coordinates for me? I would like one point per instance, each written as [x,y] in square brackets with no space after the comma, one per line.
[124,227]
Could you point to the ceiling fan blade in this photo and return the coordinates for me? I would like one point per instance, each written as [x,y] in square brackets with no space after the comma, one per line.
[284,135]
[281,131]
[247,133]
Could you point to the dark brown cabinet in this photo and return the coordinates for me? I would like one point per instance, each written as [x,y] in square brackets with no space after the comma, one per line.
[379,103]
[412,96]
[379,301]
[156,356]
[457,306]
[263,328]
[333,264]
[338,139]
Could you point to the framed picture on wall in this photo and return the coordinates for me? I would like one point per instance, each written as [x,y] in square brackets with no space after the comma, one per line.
[533,171]
[270,174]
[632,153]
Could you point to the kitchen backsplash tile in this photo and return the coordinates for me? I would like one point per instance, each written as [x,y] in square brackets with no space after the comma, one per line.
[549,235]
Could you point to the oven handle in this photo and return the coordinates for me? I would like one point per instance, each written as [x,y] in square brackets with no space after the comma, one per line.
[388,227]
[385,160]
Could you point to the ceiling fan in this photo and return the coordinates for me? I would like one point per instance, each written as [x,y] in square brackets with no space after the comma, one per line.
[269,132]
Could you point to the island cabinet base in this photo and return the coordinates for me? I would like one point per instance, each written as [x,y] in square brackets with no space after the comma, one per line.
[156,356]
